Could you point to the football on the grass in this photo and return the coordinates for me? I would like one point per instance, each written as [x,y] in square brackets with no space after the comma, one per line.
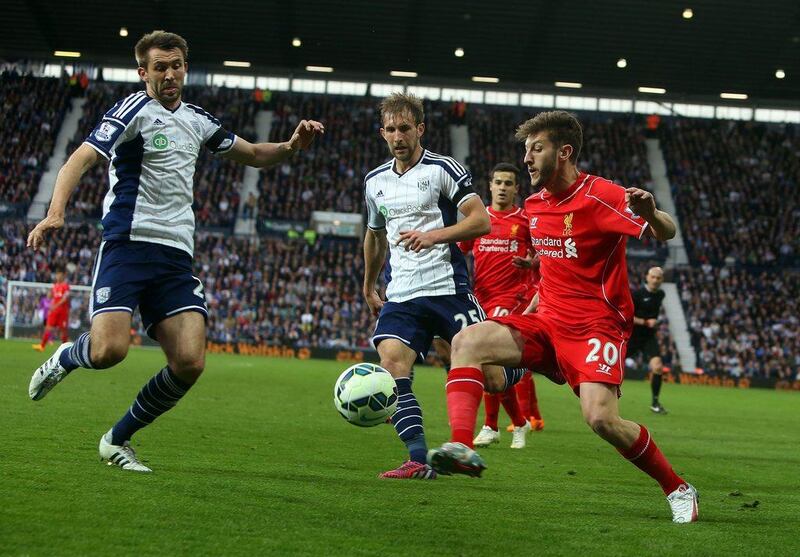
[365,395]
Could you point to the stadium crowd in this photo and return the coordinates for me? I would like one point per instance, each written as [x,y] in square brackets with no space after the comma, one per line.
[743,323]
[737,189]
[735,185]
[31,115]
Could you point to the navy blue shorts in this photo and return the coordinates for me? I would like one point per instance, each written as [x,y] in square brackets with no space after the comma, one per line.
[153,277]
[417,321]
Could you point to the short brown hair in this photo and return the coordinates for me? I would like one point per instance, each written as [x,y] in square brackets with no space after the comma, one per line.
[506,167]
[162,40]
[398,103]
[561,126]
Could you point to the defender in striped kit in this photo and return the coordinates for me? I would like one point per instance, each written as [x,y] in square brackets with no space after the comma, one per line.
[152,140]
[413,202]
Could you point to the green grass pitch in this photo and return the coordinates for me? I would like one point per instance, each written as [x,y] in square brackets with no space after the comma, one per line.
[255,461]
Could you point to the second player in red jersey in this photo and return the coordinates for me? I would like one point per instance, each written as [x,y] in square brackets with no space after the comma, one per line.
[579,225]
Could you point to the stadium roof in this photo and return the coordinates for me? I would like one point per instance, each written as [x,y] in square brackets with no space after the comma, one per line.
[732,46]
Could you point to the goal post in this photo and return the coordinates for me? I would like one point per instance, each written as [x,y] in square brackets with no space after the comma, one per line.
[25,311]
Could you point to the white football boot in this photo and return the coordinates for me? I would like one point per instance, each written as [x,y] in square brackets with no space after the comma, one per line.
[683,502]
[519,434]
[48,375]
[486,436]
[120,455]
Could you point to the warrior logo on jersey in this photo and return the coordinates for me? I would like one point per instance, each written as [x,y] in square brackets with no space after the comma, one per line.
[423,184]
[102,294]
[568,224]
[533,222]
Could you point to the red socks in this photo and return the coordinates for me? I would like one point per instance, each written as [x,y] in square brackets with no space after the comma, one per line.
[491,404]
[647,457]
[512,406]
[45,338]
[534,402]
[464,391]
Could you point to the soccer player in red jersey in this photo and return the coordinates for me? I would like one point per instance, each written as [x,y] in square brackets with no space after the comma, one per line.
[502,279]
[578,335]
[58,316]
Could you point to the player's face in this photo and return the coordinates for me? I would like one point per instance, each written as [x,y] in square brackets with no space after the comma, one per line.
[59,276]
[504,188]
[402,135]
[654,278]
[164,75]
[541,158]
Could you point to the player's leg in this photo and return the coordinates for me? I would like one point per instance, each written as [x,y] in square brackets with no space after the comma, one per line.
[48,332]
[600,407]
[488,342]
[489,433]
[182,338]
[398,358]
[537,422]
[656,376]
[105,345]
[484,343]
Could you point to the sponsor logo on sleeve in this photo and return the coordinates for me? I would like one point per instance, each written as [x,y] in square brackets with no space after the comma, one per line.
[105,132]
[102,294]
[226,143]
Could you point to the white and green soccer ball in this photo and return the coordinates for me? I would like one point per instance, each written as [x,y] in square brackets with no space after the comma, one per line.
[365,395]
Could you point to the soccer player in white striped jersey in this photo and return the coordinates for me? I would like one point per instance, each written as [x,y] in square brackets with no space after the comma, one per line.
[152,140]
[413,202]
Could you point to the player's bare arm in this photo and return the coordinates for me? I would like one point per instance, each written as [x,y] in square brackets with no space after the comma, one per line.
[84,158]
[642,202]
[375,247]
[263,155]
[474,224]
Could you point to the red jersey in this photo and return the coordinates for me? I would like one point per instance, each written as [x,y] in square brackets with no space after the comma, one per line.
[495,276]
[580,236]
[59,290]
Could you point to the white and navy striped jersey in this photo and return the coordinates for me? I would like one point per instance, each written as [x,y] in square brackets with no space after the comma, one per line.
[152,152]
[425,197]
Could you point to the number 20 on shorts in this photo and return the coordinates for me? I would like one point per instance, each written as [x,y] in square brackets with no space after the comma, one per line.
[610,354]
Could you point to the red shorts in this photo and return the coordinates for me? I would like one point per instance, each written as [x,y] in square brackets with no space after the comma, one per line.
[57,319]
[505,305]
[596,356]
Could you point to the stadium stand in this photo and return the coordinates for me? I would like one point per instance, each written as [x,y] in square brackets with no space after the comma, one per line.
[735,185]
[329,176]
[743,322]
[32,112]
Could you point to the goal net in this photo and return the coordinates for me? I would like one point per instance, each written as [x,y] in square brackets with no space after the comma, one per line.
[26,309]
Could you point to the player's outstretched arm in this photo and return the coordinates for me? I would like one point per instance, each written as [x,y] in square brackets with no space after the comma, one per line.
[642,202]
[84,158]
[375,246]
[262,155]
[474,224]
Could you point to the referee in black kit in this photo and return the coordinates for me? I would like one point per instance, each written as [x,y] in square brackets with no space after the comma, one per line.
[647,305]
